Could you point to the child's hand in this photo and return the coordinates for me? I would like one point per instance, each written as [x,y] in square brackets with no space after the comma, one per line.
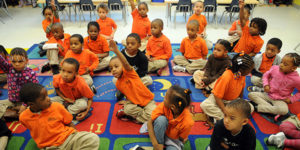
[69,100]
[224,145]
[267,89]
[288,101]
[22,108]
[113,46]
[241,3]
[158,147]
[111,37]
[60,46]
[81,115]
[238,32]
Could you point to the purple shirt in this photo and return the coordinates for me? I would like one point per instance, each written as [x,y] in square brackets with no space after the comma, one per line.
[16,80]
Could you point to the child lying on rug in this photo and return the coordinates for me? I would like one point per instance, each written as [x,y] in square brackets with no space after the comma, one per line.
[139,103]
[50,123]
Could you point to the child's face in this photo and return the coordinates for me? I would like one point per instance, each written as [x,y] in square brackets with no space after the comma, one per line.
[246,72]
[41,103]
[192,30]
[287,65]
[233,120]
[68,72]
[58,32]
[132,45]
[198,8]
[271,50]
[48,14]
[19,62]
[219,51]
[93,32]
[142,9]
[75,45]
[155,29]
[116,68]
[102,13]
[254,30]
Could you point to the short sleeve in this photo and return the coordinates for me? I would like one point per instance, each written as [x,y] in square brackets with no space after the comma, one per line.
[134,13]
[67,117]
[204,50]
[258,46]
[233,26]
[221,85]
[186,131]
[113,24]
[56,81]
[182,46]
[204,21]
[158,111]
[86,90]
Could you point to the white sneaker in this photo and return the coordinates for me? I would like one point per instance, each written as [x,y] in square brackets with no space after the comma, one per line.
[277,139]
[178,68]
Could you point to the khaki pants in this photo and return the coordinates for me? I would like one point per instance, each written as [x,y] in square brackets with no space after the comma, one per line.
[267,105]
[3,78]
[79,141]
[53,57]
[191,66]
[142,114]
[210,107]
[3,142]
[4,104]
[257,81]
[147,80]
[198,76]
[103,63]
[88,79]
[143,46]
[78,106]
[156,64]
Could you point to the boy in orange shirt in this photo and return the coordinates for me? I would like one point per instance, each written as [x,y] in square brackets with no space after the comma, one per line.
[80,98]
[250,42]
[193,49]
[88,60]
[159,48]
[50,124]
[56,47]
[139,104]
[108,26]
[96,43]
[198,9]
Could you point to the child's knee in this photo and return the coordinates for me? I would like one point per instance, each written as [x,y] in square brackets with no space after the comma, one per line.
[161,120]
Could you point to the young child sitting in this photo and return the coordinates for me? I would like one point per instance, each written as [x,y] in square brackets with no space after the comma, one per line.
[139,103]
[88,60]
[17,75]
[171,121]
[51,17]
[229,86]
[80,98]
[279,83]
[50,123]
[250,41]
[107,25]
[141,23]
[98,45]
[3,75]
[56,47]
[159,49]
[214,68]
[193,49]
[234,132]
[263,63]
[198,9]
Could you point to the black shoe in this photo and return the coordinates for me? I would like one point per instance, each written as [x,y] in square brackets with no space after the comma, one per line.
[45,68]
[192,81]
[93,88]
[119,95]
[55,69]
[254,105]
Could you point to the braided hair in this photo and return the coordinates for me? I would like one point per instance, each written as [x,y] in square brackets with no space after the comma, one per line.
[296,58]
[241,62]
[180,97]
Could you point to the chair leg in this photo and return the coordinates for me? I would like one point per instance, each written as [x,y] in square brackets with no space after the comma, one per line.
[2,20]
[221,17]
[175,19]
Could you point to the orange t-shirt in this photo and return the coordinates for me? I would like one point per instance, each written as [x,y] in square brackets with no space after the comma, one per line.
[266,63]
[228,88]
[248,43]
[233,26]
[133,88]
[106,26]
[65,43]
[99,46]
[46,23]
[74,90]
[86,59]
[50,126]
[177,127]
[202,22]
[193,50]
[140,25]
[159,48]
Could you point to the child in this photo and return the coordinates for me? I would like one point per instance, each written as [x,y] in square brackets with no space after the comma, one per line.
[171,121]
[228,87]
[80,98]
[140,103]
[98,45]
[17,75]
[51,17]
[88,60]
[3,75]
[159,48]
[234,132]
[198,8]
[57,52]
[263,63]
[193,49]
[50,123]
[214,68]
[141,23]
[250,41]
[279,83]
[136,58]
[5,134]
[108,26]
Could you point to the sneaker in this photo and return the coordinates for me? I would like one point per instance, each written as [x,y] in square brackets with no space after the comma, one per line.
[55,69]
[45,68]
[178,68]
[254,105]
[255,89]
[119,95]
[276,139]
[192,81]
[93,88]
[122,116]
[144,128]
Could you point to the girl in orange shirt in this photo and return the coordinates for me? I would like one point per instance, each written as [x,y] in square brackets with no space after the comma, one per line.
[51,17]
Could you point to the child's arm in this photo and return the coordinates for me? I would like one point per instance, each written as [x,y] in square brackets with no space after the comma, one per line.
[122,58]
[93,58]
[132,5]
[252,54]
[106,37]
[242,17]
[81,115]
[220,104]
[103,55]
[60,94]
[265,79]
[113,33]
[242,94]
[153,139]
